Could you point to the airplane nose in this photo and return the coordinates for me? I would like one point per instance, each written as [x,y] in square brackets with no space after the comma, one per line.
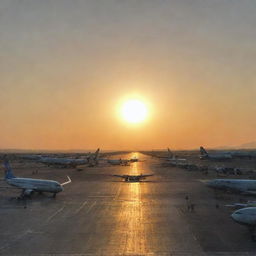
[236,216]
[209,183]
[233,216]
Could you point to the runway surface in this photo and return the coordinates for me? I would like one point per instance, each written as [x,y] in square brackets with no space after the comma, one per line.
[98,214]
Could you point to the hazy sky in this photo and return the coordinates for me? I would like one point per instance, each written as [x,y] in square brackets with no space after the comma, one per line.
[65,66]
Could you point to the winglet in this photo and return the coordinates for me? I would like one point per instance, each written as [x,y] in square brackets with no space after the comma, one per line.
[65,183]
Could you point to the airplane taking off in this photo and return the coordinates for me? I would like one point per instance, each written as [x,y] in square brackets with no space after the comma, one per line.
[246,217]
[29,186]
[134,178]
[214,156]
[247,187]
[91,159]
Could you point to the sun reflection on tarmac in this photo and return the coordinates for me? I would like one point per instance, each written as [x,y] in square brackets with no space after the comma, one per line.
[135,235]
[131,229]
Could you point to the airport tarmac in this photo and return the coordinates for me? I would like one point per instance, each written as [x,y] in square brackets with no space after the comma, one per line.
[98,214]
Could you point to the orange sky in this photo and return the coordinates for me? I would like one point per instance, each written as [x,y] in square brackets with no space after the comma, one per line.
[66,67]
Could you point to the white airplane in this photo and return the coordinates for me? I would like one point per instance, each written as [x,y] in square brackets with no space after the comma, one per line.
[119,161]
[243,154]
[169,156]
[214,156]
[247,187]
[29,186]
[31,157]
[91,159]
[246,217]
[133,178]
[174,160]
[242,205]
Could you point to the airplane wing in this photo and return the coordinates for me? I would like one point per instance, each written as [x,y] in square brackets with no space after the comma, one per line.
[120,176]
[65,183]
[146,175]
[235,205]
[249,192]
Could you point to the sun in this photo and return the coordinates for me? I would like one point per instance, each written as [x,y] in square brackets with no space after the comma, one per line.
[134,111]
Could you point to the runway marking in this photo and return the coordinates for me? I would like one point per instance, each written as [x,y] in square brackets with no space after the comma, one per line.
[53,215]
[81,207]
[28,231]
[91,207]
[102,196]
[117,193]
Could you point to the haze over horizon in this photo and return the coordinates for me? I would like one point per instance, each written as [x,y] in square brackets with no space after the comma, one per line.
[66,66]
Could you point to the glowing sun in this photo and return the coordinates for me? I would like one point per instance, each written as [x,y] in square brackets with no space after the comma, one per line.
[134,111]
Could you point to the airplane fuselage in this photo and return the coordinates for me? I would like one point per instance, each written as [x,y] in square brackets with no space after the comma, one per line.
[63,161]
[238,185]
[245,216]
[218,157]
[37,185]
[118,161]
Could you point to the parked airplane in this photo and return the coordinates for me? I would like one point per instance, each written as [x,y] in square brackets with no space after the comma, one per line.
[29,186]
[174,160]
[236,185]
[214,156]
[119,161]
[91,159]
[243,154]
[31,157]
[242,205]
[247,217]
[169,156]
[228,170]
[134,178]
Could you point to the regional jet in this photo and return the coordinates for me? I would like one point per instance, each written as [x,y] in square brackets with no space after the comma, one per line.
[133,178]
[216,156]
[91,159]
[29,186]
[246,217]
[247,187]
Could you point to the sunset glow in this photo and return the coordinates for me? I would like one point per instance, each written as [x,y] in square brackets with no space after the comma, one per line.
[134,111]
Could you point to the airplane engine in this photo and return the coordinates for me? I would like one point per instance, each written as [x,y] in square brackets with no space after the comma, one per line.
[28,192]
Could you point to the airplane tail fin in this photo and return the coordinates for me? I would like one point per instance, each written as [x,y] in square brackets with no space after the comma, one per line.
[96,155]
[170,153]
[203,151]
[93,158]
[8,170]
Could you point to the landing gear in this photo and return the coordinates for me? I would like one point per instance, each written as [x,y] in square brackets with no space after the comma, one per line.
[22,195]
[54,195]
[252,232]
